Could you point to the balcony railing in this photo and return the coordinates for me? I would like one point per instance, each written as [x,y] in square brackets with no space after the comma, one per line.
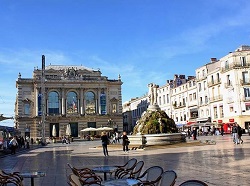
[235,65]
[246,99]
[216,98]
[213,83]
[227,85]
[244,82]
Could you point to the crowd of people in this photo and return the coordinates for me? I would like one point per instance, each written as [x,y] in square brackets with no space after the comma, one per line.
[18,142]
[237,132]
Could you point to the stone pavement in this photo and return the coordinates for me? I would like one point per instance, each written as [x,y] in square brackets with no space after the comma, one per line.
[220,164]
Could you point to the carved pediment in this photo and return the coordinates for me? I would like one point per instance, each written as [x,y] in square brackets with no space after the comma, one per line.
[114,100]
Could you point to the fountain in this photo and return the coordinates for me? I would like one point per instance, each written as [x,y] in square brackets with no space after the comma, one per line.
[155,127]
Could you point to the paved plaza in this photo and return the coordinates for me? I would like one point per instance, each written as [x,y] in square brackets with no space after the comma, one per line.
[220,164]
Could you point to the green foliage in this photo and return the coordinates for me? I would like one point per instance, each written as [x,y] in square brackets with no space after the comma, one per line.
[154,122]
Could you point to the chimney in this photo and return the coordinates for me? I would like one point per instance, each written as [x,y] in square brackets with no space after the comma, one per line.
[213,59]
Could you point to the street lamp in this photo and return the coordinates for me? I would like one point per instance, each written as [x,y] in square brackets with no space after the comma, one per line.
[43,100]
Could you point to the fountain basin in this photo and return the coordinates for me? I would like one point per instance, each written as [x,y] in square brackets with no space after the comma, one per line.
[157,139]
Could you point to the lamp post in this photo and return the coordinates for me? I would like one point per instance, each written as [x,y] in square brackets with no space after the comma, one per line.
[43,100]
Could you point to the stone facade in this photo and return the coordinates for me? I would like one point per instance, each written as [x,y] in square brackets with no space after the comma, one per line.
[74,95]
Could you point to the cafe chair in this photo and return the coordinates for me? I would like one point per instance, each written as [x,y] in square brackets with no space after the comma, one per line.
[134,174]
[151,176]
[74,180]
[127,167]
[193,183]
[13,178]
[168,178]
[85,174]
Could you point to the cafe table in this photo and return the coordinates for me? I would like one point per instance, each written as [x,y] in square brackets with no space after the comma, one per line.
[122,182]
[105,169]
[32,175]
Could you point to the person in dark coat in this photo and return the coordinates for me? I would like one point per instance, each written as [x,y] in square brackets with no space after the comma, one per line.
[125,142]
[239,132]
[105,141]
[194,133]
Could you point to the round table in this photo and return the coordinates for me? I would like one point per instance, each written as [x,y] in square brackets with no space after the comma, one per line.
[105,169]
[122,182]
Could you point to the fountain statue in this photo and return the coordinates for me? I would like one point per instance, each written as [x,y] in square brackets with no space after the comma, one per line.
[155,124]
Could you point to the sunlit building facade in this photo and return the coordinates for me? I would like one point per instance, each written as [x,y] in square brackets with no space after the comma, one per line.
[74,95]
[219,94]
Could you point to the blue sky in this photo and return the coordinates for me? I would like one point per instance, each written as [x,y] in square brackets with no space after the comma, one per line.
[143,40]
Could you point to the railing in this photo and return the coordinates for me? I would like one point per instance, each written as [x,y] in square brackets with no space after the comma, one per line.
[246,99]
[216,98]
[244,82]
[235,65]
[227,85]
[213,83]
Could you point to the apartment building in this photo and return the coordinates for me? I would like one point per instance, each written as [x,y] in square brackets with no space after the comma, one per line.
[219,94]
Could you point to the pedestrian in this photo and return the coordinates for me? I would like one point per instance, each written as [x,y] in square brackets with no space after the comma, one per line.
[194,133]
[222,130]
[189,133]
[239,132]
[27,142]
[117,137]
[105,142]
[13,145]
[125,142]
[235,134]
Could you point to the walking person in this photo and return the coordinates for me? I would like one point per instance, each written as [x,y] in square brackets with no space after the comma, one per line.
[194,133]
[13,145]
[27,142]
[222,130]
[235,134]
[239,131]
[105,141]
[125,142]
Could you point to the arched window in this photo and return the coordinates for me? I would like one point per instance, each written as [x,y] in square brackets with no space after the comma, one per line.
[53,101]
[90,107]
[72,102]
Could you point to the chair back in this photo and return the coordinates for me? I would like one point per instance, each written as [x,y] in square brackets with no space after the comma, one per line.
[137,170]
[193,183]
[74,170]
[154,173]
[74,180]
[131,164]
[168,178]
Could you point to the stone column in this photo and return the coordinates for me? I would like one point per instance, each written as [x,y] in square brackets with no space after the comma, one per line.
[63,102]
[81,101]
[36,101]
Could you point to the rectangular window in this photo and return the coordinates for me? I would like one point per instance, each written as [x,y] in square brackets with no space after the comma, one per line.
[167,98]
[228,80]
[243,61]
[231,109]
[245,77]
[204,85]
[194,96]
[226,65]
[247,107]
[215,112]
[221,112]
[27,109]
[212,79]
[190,97]
[218,77]
[199,87]
[246,92]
